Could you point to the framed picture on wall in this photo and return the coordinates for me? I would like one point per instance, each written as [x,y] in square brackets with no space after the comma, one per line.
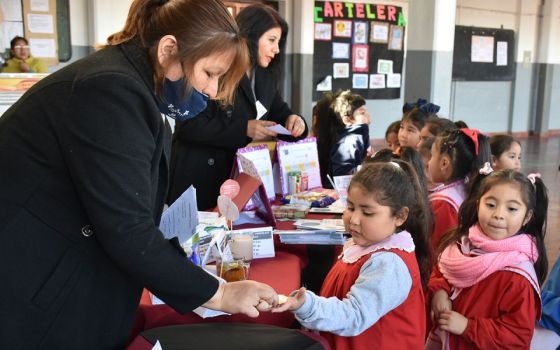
[377,81]
[394,80]
[360,33]
[340,50]
[342,29]
[323,31]
[359,81]
[396,38]
[360,58]
[379,32]
[341,70]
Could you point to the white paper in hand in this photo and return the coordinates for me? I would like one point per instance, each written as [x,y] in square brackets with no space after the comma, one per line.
[279,129]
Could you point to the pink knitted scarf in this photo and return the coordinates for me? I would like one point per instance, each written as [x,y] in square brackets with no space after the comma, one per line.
[481,256]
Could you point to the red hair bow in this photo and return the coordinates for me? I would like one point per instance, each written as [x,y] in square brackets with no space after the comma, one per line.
[473,135]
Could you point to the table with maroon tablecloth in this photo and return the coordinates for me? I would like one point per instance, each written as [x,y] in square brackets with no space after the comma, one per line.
[281,272]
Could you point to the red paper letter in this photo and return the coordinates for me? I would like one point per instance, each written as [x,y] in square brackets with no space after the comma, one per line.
[381,11]
[391,13]
[328,10]
[360,10]
[338,9]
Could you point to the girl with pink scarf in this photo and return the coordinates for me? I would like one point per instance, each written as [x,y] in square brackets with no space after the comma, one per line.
[485,290]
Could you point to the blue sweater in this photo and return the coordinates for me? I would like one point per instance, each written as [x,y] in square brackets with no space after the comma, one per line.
[551,300]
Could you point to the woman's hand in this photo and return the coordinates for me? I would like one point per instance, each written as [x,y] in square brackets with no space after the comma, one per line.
[257,129]
[292,302]
[440,303]
[453,322]
[295,125]
[23,66]
[243,297]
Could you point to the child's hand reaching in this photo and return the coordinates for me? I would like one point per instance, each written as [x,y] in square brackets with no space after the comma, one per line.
[453,322]
[440,303]
[292,302]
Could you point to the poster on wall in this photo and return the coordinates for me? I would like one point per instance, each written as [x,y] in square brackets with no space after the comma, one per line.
[379,32]
[340,50]
[360,32]
[323,31]
[365,50]
[360,58]
[396,38]
[343,29]
[482,49]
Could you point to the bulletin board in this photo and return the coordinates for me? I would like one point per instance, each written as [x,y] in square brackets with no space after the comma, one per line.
[40,28]
[360,47]
[483,54]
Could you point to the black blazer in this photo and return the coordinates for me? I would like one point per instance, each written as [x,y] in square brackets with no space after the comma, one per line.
[83,158]
[204,147]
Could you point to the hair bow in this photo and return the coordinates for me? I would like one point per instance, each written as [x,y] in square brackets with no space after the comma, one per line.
[486,169]
[533,176]
[423,105]
[473,135]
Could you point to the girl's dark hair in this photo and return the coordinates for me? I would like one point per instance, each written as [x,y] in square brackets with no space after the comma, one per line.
[396,185]
[201,27]
[407,154]
[328,126]
[460,124]
[393,128]
[535,198]
[437,125]
[501,143]
[14,41]
[417,117]
[253,22]
[461,151]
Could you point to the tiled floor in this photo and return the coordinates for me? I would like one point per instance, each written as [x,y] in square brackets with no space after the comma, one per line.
[543,156]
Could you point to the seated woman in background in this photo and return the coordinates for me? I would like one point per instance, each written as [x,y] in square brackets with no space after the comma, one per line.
[21,60]
[204,147]
[342,132]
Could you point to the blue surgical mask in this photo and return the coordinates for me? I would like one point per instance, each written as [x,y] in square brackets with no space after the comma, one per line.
[179,106]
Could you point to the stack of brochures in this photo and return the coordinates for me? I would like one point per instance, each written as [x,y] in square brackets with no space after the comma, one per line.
[323,237]
[326,231]
[325,224]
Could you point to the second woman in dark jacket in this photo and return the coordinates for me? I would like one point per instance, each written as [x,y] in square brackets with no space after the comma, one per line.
[204,147]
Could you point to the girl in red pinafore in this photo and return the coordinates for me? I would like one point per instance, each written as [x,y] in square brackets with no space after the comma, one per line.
[373,297]
[485,292]
[456,156]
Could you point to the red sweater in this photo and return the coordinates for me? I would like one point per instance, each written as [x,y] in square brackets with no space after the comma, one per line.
[502,310]
[445,219]
[446,201]
[401,328]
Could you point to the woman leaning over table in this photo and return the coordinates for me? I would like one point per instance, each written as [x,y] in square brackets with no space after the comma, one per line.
[84,157]
[204,147]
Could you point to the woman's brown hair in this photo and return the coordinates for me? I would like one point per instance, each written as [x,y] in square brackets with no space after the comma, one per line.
[201,27]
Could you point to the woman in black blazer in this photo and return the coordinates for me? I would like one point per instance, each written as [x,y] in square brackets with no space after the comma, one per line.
[84,157]
[204,147]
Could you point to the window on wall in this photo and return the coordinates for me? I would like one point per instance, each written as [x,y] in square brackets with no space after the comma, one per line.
[45,23]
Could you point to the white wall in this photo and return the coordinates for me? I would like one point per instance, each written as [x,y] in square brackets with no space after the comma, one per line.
[79,23]
[107,17]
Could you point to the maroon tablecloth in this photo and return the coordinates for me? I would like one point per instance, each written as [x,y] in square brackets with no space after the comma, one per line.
[281,272]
